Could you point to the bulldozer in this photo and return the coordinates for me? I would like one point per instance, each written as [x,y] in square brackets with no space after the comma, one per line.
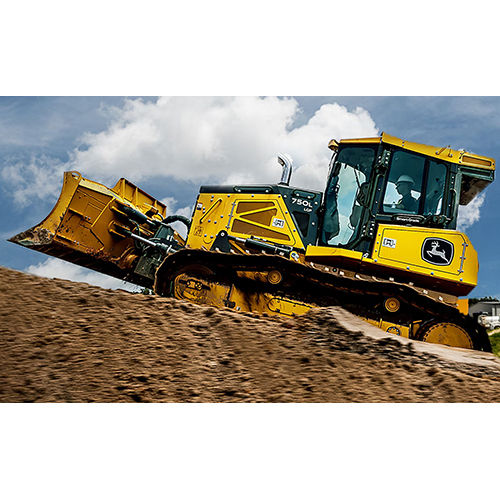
[381,240]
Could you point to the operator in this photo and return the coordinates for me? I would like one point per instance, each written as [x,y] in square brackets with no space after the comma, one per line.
[404,186]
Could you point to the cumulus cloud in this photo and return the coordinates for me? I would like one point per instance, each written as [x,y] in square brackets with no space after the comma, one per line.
[37,180]
[231,140]
[469,214]
[200,139]
[56,268]
[173,207]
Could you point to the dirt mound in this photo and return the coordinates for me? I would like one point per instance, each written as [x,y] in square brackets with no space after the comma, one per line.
[72,342]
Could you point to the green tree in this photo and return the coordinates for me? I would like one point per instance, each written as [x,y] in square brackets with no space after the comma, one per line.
[482,299]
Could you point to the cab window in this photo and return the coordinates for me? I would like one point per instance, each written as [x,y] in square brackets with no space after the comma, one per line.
[404,186]
[415,185]
[347,194]
[435,189]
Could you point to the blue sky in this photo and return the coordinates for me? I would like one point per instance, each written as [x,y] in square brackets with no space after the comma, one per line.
[170,147]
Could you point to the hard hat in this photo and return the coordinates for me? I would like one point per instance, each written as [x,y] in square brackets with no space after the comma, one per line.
[405,178]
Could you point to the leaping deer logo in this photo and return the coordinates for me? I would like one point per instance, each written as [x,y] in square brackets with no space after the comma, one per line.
[435,252]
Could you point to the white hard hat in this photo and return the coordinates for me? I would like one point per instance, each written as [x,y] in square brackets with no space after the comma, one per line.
[405,178]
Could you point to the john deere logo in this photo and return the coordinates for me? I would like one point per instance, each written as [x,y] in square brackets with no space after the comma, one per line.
[437,251]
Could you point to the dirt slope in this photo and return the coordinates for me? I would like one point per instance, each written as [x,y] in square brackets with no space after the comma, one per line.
[72,342]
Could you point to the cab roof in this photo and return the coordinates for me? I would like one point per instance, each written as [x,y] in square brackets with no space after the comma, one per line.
[445,153]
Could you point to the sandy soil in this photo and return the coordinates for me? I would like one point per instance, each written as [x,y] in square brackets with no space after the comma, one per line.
[70,342]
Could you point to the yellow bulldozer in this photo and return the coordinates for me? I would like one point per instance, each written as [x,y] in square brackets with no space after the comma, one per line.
[381,241]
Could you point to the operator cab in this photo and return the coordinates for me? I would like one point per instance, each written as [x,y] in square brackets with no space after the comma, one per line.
[386,180]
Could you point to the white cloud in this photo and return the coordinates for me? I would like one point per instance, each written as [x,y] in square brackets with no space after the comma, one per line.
[172,207]
[56,268]
[469,214]
[232,140]
[40,179]
[308,144]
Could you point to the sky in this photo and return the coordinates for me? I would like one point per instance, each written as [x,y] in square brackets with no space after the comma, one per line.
[170,146]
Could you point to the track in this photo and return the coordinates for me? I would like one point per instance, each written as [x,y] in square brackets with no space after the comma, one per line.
[319,285]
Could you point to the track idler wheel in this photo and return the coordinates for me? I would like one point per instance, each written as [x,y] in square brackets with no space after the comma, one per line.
[448,333]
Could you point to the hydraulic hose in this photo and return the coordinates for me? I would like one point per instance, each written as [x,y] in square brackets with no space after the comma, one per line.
[178,218]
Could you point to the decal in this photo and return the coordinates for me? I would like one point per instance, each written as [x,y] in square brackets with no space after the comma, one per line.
[394,329]
[412,219]
[305,204]
[198,230]
[437,251]
[199,206]
[389,242]
[278,223]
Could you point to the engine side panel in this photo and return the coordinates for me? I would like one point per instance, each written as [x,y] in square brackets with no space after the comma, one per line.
[262,215]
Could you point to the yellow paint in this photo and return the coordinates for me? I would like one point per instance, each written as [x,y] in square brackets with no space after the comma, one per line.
[88,222]
[205,292]
[463,306]
[331,254]
[70,184]
[389,327]
[447,334]
[333,145]
[442,153]
[242,215]
[273,277]
[406,255]
[364,140]
[286,307]
[85,221]
[141,200]
[392,304]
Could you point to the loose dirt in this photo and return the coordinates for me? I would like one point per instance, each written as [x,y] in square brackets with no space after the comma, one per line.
[71,342]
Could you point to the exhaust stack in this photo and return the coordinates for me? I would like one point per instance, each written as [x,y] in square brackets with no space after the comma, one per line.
[286,162]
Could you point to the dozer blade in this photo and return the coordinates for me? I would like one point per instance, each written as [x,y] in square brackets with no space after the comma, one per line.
[89,223]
